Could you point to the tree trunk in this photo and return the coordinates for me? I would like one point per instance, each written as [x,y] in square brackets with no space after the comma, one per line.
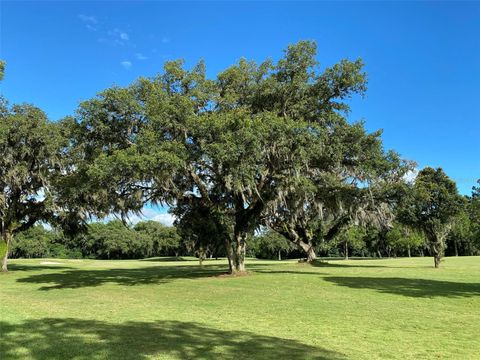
[228,248]
[279,255]
[4,249]
[408,251]
[455,246]
[309,250]
[201,256]
[238,254]
[437,246]
[346,250]
[437,253]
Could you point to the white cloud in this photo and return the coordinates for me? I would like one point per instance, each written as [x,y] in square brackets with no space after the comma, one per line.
[88,18]
[165,40]
[140,56]
[152,214]
[410,176]
[165,219]
[118,37]
[90,22]
[126,64]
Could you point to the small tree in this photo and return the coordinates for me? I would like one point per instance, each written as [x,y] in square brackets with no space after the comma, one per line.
[473,210]
[271,244]
[460,234]
[165,239]
[352,238]
[202,229]
[401,238]
[35,242]
[431,206]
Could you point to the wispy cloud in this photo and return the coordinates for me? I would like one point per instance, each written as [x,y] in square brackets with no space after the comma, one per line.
[88,18]
[117,37]
[126,64]
[140,56]
[152,214]
[165,40]
[89,21]
[166,219]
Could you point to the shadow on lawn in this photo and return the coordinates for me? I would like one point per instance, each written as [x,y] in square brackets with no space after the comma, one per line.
[409,287]
[323,263]
[167,259]
[77,278]
[35,267]
[58,339]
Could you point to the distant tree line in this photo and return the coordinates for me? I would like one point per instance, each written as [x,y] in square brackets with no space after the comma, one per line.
[112,240]
[115,240]
[260,146]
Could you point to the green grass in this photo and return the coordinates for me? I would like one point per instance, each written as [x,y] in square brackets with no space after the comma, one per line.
[154,309]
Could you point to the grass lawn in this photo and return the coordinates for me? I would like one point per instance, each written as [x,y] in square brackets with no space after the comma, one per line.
[157,309]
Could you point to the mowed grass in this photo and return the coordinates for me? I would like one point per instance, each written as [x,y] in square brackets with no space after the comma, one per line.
[157,309]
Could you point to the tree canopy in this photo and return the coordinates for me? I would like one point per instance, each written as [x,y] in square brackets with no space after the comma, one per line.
[32,156]
[431,207]
[262,146]
[235,144]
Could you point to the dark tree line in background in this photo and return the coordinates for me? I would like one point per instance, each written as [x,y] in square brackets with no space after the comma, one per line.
[259,161]
[112,240]
[115,240]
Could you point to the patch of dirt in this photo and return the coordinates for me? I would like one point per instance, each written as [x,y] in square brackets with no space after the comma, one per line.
[227,275]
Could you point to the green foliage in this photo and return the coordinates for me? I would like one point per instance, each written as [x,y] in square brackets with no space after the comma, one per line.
[38,242]
[351,239]
[112,240]
[165,239]
[203,231]
[473,209]
[2,69]
[35,242]
[233,143]
[259,145]
[32,160]
[401,239]
[431,207]
[270,245]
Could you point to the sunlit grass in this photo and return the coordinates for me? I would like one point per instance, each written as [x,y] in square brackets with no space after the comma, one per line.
[357,309]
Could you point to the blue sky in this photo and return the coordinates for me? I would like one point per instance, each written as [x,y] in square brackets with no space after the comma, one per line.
[423,58]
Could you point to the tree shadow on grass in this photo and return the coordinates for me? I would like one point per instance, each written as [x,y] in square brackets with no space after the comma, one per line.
[35,267]
[59,339]
[78,278]
[168,259]
[325,263]
[409,287]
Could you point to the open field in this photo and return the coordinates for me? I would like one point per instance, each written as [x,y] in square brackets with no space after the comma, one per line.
[157,309]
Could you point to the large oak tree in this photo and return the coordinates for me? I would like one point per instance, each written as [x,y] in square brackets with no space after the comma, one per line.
[232,144]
